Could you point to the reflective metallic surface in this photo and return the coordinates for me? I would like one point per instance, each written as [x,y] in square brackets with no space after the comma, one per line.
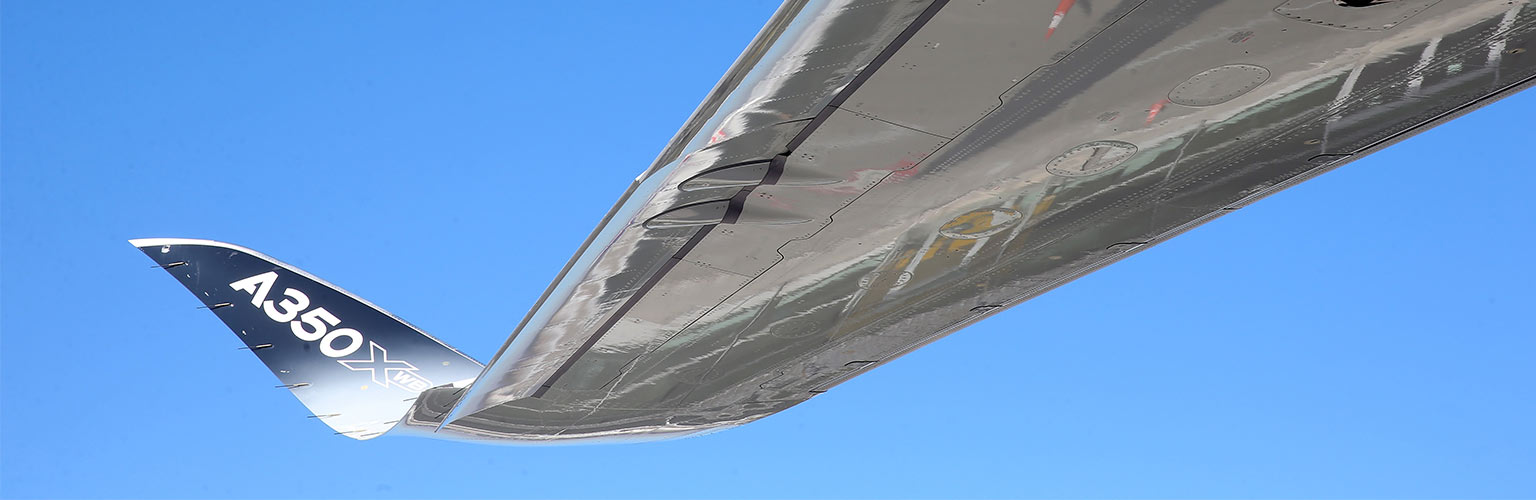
[890,172]
[830,219]
[875,174]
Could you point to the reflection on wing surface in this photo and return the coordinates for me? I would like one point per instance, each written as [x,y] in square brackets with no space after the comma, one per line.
[889,172]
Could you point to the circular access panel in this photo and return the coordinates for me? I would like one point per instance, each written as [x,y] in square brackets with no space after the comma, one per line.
[1091,158]
[794,328]
[1218,85]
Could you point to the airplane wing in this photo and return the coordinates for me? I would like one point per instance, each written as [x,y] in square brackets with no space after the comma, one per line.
[872,175]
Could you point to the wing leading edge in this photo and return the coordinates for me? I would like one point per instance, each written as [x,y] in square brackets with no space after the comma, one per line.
[873,175]
[961,166]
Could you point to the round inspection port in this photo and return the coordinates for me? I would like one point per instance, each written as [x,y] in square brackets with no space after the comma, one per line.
[1091,158]
[1218,85]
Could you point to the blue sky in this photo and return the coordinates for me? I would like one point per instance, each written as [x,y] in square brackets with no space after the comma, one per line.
[1364,335]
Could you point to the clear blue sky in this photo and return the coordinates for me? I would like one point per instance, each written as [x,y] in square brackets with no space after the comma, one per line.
[1367,334]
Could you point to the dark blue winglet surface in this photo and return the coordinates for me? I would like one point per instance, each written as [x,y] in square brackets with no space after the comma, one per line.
[355,366]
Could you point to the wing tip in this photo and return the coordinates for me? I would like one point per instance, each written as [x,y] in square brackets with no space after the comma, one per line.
[159,242]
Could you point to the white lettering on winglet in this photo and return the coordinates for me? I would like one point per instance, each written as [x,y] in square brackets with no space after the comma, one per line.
[316,325]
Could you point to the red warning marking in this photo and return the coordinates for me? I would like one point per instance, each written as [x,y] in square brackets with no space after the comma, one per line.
[893,173]
[1156,108]
[903,169]
[1061,12]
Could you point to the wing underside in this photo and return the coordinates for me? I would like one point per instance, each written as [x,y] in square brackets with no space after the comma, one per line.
[881,174]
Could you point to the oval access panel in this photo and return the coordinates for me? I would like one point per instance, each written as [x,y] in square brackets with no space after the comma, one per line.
[1091,158]
[1377,15]
[1218,85]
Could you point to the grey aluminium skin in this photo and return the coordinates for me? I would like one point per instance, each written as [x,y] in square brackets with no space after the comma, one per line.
[871,176]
